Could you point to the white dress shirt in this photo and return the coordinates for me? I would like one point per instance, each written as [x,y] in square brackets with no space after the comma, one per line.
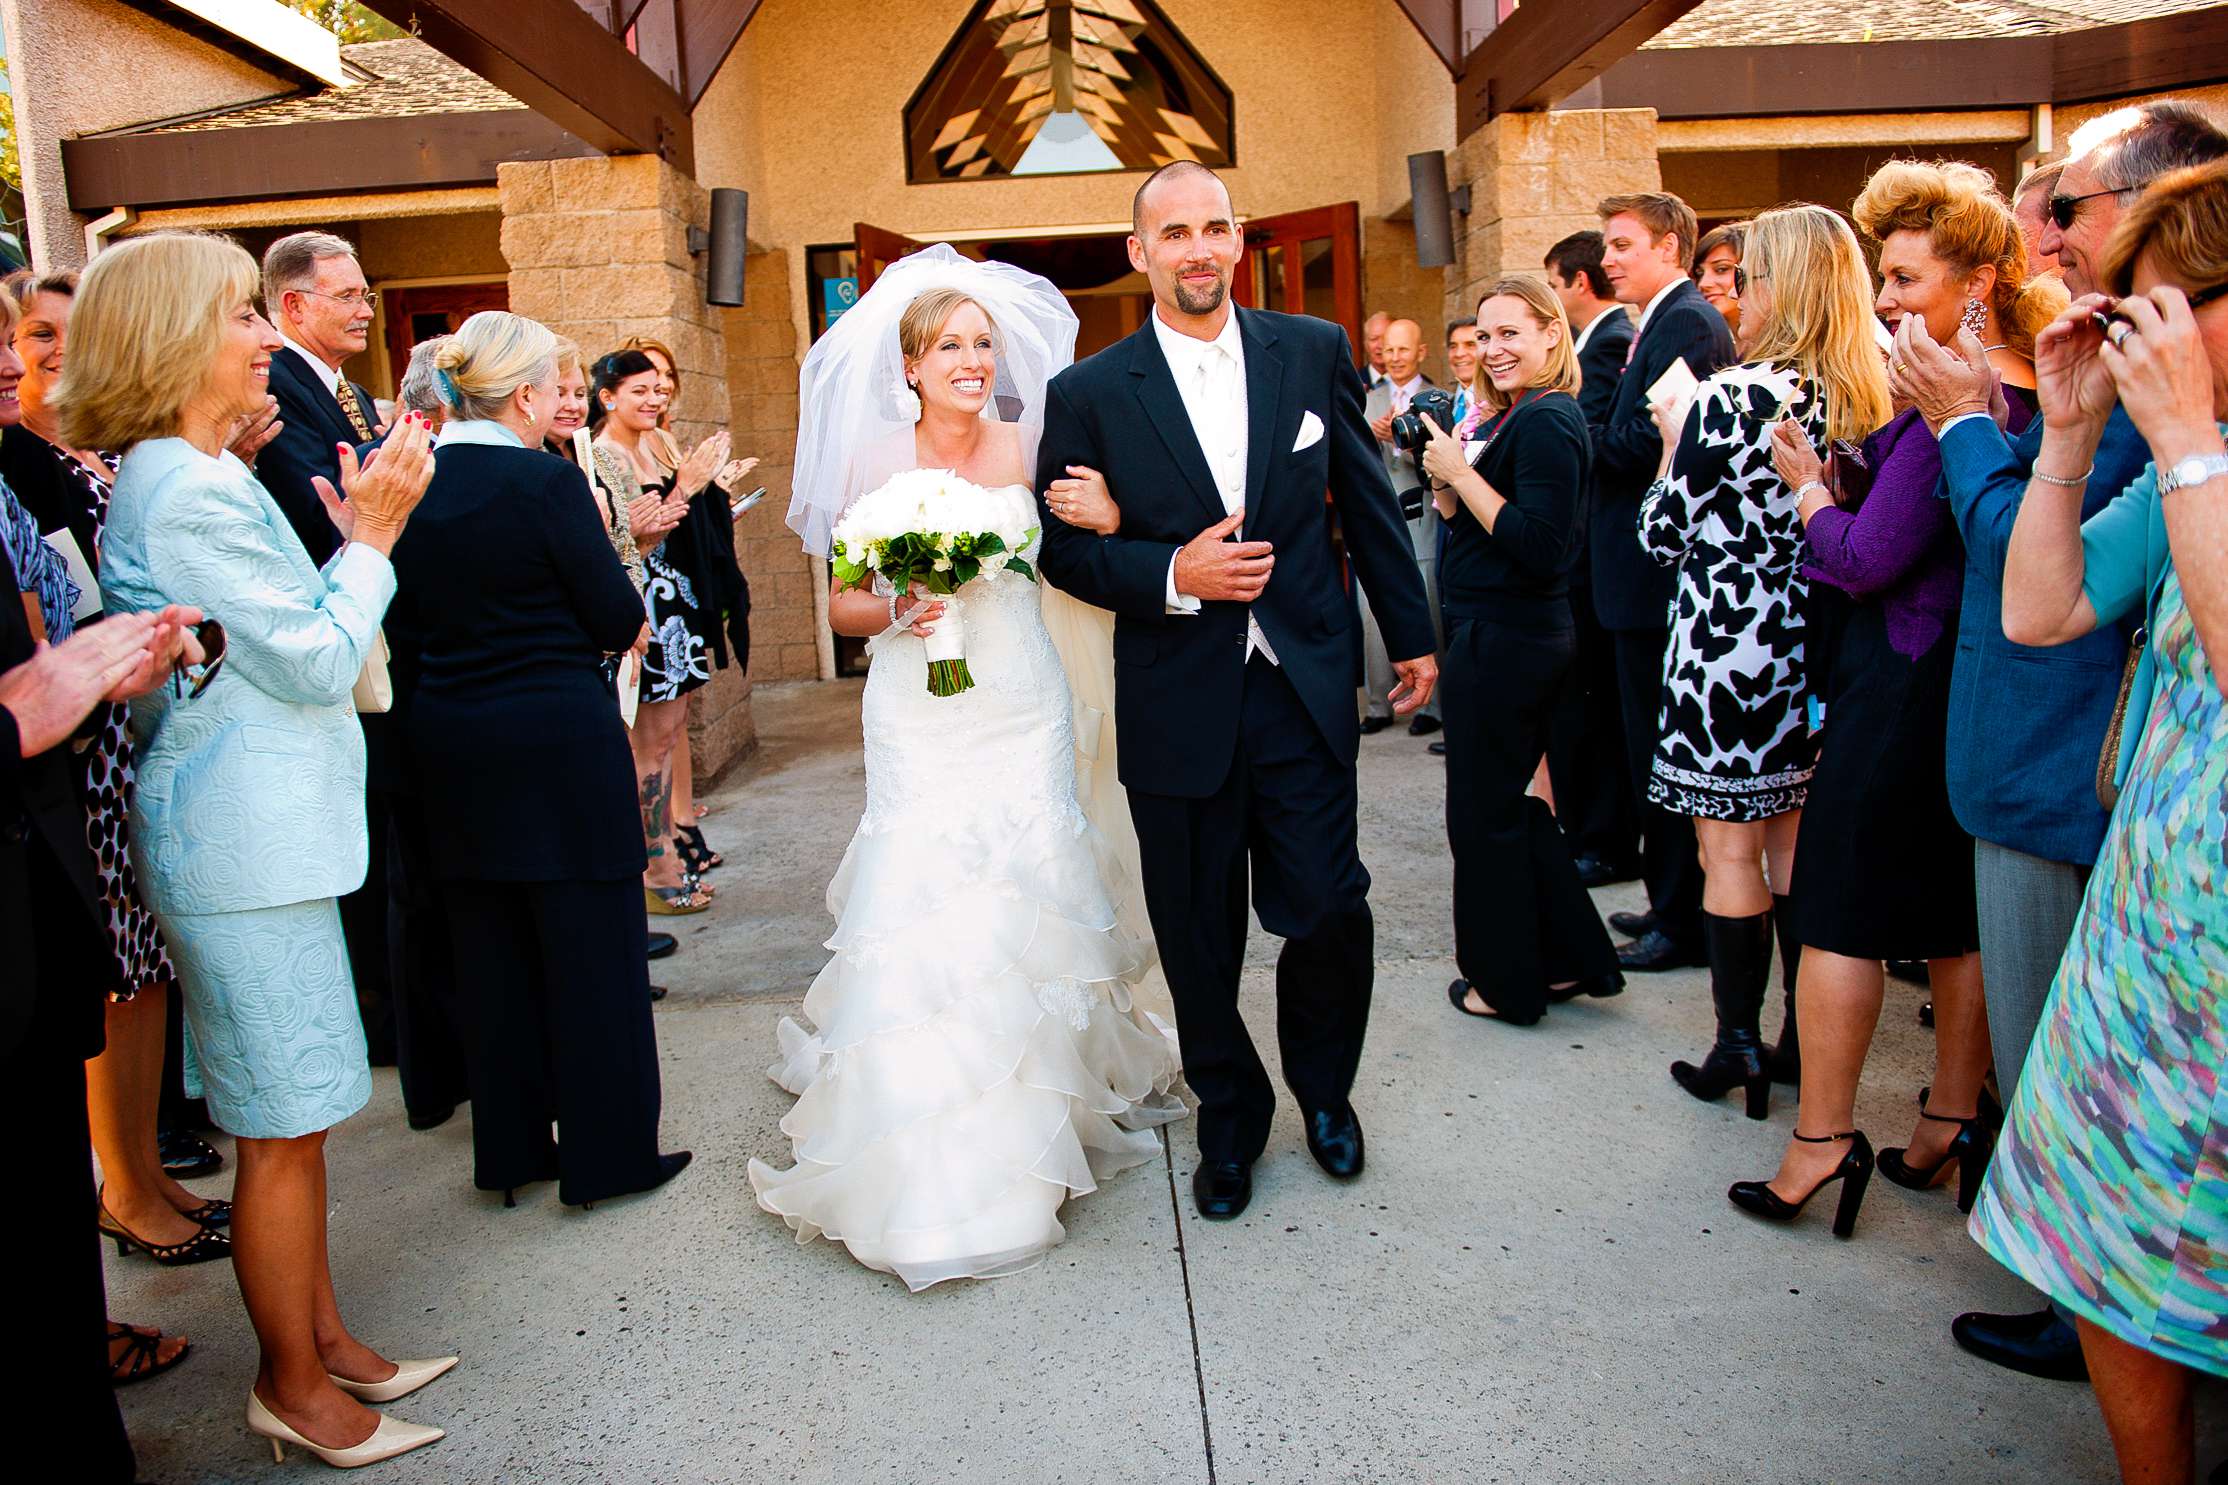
[1586,333]
[329,375]
[1211,379]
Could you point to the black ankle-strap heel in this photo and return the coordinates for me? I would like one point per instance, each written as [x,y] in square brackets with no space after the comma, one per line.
[1854,1172]
[1970,1147]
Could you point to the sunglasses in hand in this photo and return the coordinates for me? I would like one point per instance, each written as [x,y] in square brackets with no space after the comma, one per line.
[2106,319]
[209,634]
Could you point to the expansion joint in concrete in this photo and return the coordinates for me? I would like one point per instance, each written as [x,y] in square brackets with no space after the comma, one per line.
[1191,1314]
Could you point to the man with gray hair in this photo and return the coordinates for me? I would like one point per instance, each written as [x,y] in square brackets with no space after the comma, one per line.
[315,294]
[2030,203]
[2026,725]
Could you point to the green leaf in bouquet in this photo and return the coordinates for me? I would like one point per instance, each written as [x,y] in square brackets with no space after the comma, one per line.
[965,570]
[990,544]
[1015,564]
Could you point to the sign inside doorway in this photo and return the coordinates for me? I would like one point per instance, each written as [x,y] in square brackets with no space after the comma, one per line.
[836,296]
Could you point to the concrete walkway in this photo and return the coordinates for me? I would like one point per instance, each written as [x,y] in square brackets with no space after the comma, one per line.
[1538,1279]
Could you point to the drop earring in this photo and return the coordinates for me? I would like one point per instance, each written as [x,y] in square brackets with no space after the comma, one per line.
[1975,318]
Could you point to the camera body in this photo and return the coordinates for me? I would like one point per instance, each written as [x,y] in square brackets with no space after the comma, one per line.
[1408,430]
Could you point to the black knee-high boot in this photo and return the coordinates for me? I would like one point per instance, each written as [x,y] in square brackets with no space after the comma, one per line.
[1785,1061]
[1740,953]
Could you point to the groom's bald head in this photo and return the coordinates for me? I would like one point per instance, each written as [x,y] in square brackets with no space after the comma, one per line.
[1189,172]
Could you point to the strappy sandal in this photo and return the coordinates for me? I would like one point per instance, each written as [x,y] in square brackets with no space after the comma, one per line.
[205,1246]
[699,856]
[142,1354]
[674,902]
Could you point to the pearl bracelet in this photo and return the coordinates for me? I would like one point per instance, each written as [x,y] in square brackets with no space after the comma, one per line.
[2063,483]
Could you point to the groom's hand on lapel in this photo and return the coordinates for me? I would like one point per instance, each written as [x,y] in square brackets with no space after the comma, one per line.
[1211,566]
[1417,678]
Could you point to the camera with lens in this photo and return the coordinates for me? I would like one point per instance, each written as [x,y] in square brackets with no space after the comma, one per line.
[1408,429]
[1411,436]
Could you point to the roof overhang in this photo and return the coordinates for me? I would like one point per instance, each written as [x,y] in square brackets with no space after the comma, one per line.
[315,158]
[281,39]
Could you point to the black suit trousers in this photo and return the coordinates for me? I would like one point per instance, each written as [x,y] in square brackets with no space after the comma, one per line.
[1286,809]
[1586,757]
[1522,921]
[1668,859]
[558,986]
[429,1024]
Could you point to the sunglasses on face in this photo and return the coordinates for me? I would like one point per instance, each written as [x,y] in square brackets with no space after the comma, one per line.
[185,686]
[2105,319]
[2064,208]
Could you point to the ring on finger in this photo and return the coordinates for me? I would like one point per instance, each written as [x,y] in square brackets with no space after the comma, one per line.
[2119,332]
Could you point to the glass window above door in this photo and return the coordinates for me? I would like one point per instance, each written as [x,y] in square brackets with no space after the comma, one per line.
[1062,87]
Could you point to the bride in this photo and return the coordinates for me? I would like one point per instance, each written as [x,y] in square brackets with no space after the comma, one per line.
[977,1057]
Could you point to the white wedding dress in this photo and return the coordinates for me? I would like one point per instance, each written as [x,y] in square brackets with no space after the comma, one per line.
[977,1058]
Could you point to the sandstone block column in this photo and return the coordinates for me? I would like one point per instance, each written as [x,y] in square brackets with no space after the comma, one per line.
[1535,178]
[762,350]
[598,251]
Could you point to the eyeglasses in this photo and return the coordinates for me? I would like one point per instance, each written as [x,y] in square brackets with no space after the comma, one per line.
[210,635]
[367,298]
[2064,208]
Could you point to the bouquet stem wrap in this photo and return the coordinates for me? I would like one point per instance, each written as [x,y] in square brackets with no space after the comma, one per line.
[947,653]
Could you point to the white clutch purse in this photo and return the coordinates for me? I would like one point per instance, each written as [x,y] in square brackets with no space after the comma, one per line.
[375,692]
[629,681]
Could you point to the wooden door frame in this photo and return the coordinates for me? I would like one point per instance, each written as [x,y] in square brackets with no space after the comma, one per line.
[1341,223]
[383,363]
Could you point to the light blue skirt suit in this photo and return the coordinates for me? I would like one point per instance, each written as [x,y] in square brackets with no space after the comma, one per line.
[248,823]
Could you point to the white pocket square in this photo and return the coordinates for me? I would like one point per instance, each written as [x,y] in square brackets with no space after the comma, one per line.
[1311,432]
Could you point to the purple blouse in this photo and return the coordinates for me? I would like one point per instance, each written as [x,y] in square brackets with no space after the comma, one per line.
[1899,547]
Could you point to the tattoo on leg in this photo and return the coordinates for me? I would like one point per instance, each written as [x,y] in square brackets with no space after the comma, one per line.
[657,813]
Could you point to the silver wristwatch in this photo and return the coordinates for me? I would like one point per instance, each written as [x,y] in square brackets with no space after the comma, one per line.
[2194,470]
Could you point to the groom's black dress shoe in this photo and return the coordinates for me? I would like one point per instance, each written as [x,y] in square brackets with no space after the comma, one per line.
[1375,724]
[1632,925]
[2041,1344]
[1222,1188]
[1334,1138]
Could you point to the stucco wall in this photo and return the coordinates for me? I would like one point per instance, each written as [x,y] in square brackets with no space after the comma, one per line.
[77,66]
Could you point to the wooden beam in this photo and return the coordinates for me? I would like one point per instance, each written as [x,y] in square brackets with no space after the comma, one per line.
[552,56]
[1543,53]
[319,158]
[1730,82]
[709,31]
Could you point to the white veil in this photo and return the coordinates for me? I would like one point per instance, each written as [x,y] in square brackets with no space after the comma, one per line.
[854,427]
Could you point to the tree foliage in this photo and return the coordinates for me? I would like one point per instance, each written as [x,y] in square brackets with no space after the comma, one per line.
[11,159]
[348,20]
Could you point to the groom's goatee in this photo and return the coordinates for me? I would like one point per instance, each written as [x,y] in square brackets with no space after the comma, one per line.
[1202,304]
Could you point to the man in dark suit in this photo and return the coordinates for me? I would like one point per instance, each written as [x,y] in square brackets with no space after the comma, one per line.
[316,295]
[1648,241]
[50,1006]
[1586,759]
[1233,692]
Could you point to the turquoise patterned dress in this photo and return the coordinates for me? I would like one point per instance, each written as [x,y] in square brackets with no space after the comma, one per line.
[2109,1189]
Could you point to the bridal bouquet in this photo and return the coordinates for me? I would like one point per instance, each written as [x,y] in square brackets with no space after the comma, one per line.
[932,530]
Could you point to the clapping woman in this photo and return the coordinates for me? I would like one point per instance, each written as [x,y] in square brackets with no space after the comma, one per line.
[1525,932]
[1734,748]
[511,600]
[249,820]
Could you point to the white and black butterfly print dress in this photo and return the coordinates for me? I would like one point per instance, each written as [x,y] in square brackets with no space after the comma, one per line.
[1732,742]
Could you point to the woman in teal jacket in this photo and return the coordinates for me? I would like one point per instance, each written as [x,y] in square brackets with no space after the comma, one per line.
[249,821]
[2107,1190]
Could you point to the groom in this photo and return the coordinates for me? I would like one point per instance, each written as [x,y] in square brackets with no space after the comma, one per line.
[1236,655]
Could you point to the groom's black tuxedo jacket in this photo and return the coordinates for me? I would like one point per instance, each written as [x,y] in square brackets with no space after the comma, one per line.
[1177,678]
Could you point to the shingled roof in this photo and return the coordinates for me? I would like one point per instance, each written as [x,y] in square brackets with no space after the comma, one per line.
[404,77]
[1795,22]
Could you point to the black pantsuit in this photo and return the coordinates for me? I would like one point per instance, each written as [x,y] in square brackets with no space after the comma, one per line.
[508,597]
[1287,810]
[560,995]
[429,1024]
[1669,860]
[1586,759]
[1522,921]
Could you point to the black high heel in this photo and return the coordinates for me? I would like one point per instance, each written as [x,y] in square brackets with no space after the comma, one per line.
[689,840]
[1970,1147]
[1855,1170]
[205,1246]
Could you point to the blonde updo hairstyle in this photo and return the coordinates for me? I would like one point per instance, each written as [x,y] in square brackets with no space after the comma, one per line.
[488,359]
[917,328]
[148,321]
[1970,226]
